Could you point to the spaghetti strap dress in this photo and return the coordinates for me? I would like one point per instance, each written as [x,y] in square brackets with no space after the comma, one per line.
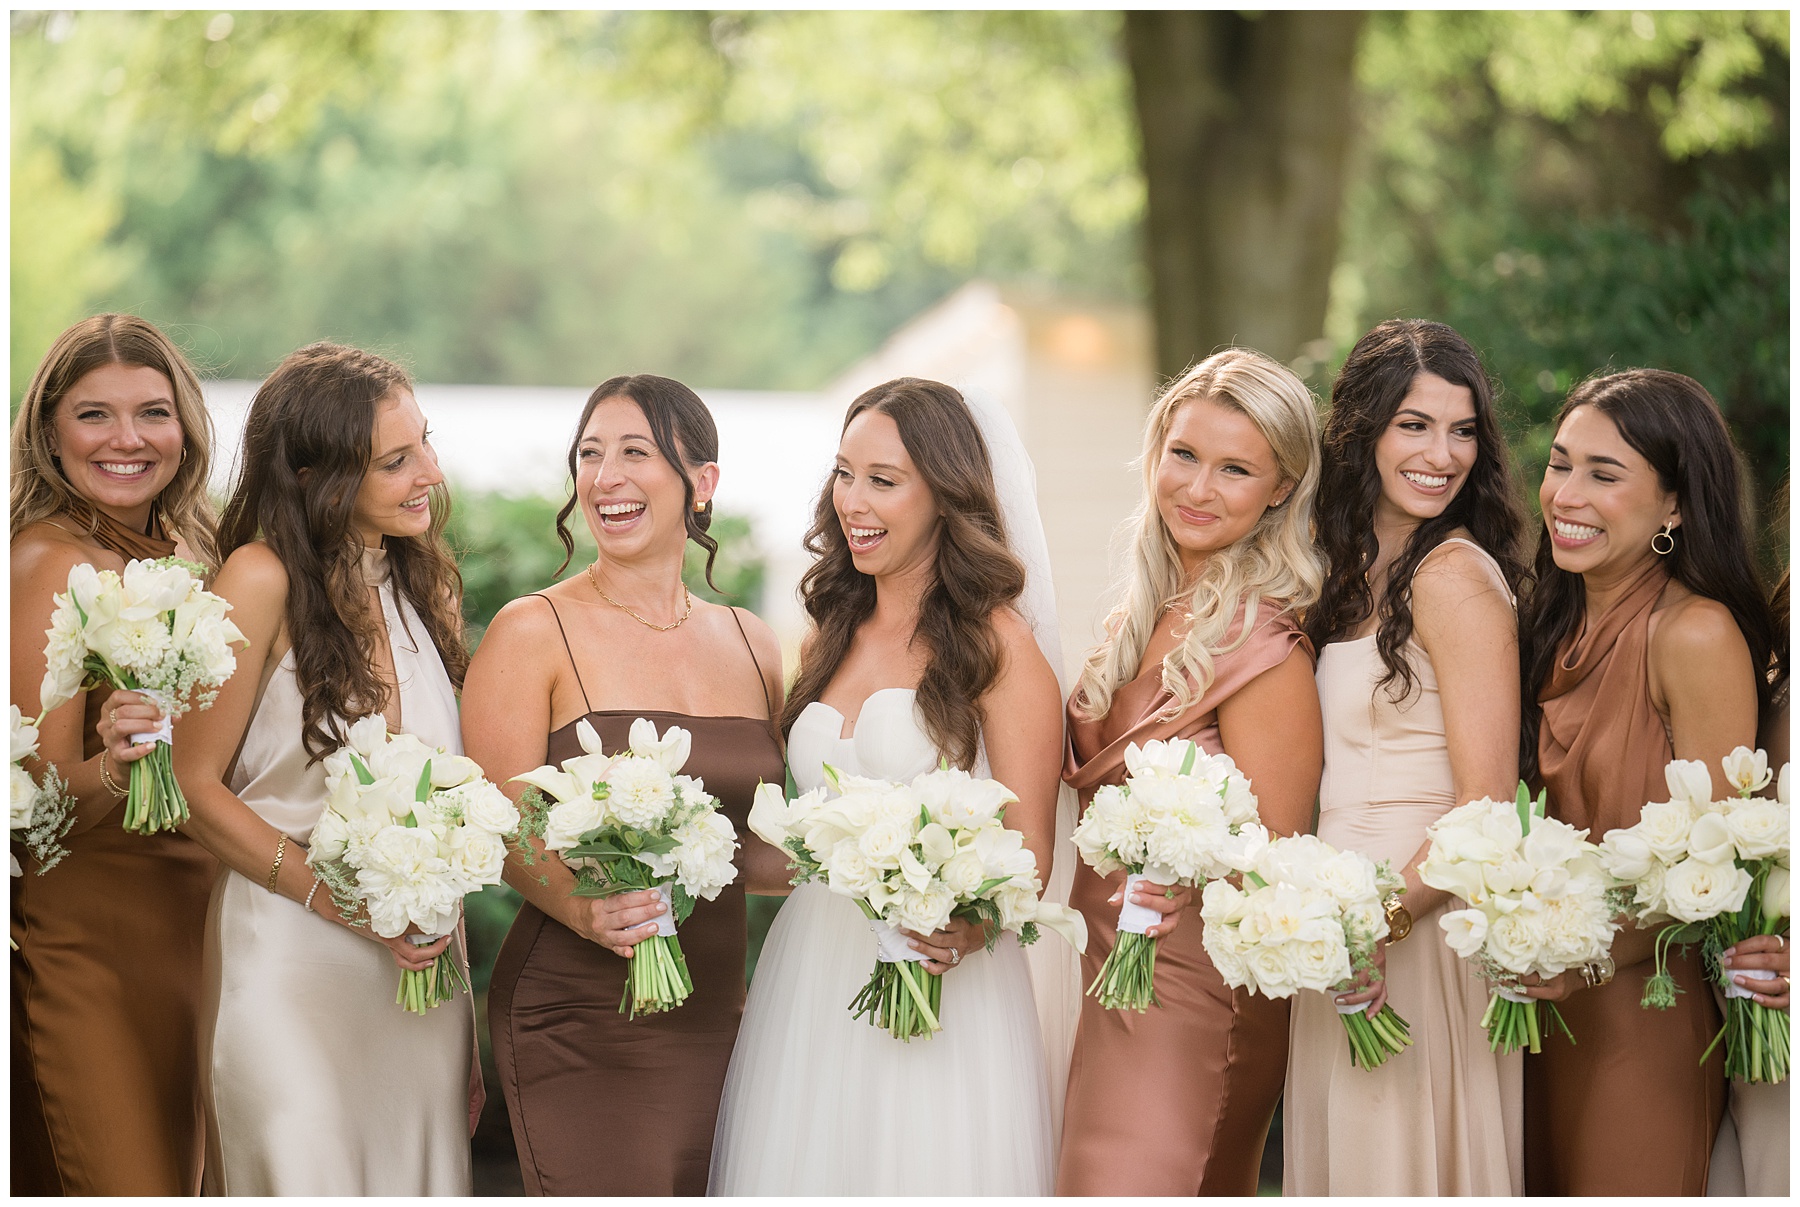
[1444,1117]
[602,1103]
[1211,1058]
[106,994]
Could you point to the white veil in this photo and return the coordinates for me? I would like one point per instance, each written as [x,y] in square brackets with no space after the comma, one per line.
[1055,968]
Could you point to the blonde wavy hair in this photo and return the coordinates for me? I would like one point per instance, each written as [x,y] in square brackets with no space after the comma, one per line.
[1275,560]
[40,489]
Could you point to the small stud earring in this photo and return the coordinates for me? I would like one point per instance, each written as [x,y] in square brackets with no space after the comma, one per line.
[700,507]
[1663,543]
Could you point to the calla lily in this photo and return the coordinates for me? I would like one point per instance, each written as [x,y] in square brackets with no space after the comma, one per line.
[554,782]
[1066,922]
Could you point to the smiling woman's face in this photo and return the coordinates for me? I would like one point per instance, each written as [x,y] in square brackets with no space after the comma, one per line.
[119,438]
[395,496]
[1215,477]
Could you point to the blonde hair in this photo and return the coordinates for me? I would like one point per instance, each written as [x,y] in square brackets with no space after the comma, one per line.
[1275,560]
[40,489]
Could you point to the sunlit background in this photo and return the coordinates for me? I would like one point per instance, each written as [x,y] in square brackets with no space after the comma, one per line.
[1059,209]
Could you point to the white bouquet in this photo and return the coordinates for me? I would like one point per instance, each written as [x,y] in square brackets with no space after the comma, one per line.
[407,832]
[631,821]
[913,855]
[154,630]
[1182,817]
[41,812]
[1308,917]
[1714,872]
[1538,902]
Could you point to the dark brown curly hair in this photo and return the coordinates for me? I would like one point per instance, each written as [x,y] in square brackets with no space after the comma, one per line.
[975,573]
[316,413]
[1375,379]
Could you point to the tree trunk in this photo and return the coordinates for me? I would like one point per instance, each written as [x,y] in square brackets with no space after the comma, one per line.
[1245,123]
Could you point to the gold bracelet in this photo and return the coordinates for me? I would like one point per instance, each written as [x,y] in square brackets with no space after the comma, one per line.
[106,779]
[275,868]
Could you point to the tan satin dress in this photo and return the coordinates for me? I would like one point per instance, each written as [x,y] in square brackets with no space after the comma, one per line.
[1211,1059]
[1446,1115]
[317,1083]
[1628,1109]
[105,981]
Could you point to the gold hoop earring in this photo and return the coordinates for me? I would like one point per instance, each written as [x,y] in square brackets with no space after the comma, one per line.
[1663,544]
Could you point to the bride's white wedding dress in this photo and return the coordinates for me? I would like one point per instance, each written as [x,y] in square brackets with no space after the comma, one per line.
[818,1102]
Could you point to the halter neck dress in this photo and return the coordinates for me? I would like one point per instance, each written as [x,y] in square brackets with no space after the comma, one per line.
[602,1103]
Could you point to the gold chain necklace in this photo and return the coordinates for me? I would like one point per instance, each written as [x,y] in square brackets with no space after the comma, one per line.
[687,610]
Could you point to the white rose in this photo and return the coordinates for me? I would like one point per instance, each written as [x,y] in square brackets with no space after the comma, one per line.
[882,843]
[1759,828]
[1747,770]
[1514,940]
[848,870]
[568,820]
[1710,841]
[924,912]
[1465,930]
[962,874]
[1665,825]
[487,808]
[477,855]
[1695,890]
[329,836]
[1271,968]
[1321,963]
[641,792]
[1625,855]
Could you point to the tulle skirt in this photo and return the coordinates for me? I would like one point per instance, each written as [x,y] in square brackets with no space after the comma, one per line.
[818,1102]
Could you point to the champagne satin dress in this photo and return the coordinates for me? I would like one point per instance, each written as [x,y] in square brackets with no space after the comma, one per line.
[317,1082]
[1211,1058]
[1628,1109]
[105,988]
[1446,1115]
[602,1103]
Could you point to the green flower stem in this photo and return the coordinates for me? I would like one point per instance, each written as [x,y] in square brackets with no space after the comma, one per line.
[1373,1040]
[420,991]
[657,979]
[1513,1025]
[153,801]
[1127,980]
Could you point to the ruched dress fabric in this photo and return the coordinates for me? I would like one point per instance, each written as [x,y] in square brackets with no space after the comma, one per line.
[1210,1059]
[1443,1117]
[317,1081]
[818,1102]
[105,994]
[1628,1109]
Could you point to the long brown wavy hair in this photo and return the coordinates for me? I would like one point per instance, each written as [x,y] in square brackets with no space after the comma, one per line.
[975,572]
[316,413]
[40,489]
[1374,381]
[1675,425]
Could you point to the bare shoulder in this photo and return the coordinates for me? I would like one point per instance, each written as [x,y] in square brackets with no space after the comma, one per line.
[762,638]
[1012,630]
[255,569]
[1452,577]
[43,555]
[1694,630]
[526,620]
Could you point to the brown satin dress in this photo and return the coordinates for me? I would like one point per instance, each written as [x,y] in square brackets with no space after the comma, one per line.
[1628,1109]
[105,988]
[1212,1059]
[602,1103]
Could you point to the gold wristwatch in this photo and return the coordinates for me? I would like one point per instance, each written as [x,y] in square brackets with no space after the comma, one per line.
[1399,918]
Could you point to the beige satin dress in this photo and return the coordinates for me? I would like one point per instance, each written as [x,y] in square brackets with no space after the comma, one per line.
[1446,1115]
[315,1081]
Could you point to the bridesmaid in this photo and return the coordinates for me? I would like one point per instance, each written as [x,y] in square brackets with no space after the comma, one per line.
[602,1103]
[1206,646]
[335,566]
[110,452]
[1418,650]
[1643,642]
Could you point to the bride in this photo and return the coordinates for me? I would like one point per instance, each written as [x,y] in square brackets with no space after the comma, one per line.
[918,652]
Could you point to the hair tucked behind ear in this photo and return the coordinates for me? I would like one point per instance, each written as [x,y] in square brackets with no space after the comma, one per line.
[316,413]
[976,573]
[1375,380]
[1275,560]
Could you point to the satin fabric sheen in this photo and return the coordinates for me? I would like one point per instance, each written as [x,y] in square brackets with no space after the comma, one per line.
[105,1067]
[1633,1072]
[602,1103]
[1457,1106]
[317,1082]
[1211,1059]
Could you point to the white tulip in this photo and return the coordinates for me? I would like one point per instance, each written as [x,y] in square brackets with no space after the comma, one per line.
[1747,770]
[1689,781]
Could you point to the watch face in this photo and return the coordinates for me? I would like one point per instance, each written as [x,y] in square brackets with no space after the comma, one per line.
[1400,927]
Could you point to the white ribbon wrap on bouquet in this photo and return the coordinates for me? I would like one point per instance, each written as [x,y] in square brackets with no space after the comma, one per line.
[1511,995]
[665,921]
[1756,974]
[1133,918]
[1358,1008]
[891,946]
[427,940]
[165,729]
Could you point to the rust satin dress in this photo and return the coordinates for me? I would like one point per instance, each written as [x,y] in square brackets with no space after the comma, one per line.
[105,1000]
[602,1103]
[1212,1058]
[1628,1109]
